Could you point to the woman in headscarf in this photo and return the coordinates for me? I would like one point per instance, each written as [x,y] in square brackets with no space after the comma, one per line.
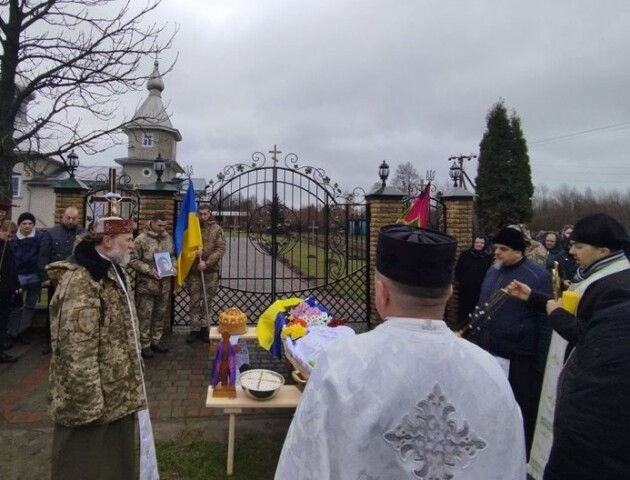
[470,270]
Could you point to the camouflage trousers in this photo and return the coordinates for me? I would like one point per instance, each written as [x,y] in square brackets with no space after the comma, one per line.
[152,311]
[195,290]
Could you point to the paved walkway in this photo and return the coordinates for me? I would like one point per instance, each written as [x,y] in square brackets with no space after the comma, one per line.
[177,384]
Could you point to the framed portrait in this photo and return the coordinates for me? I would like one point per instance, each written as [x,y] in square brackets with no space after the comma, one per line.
[163,264]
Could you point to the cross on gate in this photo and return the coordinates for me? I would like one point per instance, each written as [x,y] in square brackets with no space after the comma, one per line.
[112,198]
[275,152]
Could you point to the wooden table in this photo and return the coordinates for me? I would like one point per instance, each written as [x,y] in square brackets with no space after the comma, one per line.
[287,397]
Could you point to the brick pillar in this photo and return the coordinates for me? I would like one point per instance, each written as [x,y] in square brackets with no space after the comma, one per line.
[70,193]
[153,202]
[385,207]
[459,224]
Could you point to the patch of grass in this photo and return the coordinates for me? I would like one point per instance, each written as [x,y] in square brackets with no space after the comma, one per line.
[311,261]
[255,457]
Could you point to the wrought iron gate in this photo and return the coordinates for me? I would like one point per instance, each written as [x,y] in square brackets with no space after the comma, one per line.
[290,232]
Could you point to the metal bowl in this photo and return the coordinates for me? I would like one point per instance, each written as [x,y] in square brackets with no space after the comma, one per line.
[261,384]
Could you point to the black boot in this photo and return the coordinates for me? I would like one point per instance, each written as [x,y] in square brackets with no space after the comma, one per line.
[205,335]
[193,336]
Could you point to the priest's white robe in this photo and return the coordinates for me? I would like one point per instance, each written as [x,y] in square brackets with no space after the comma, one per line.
[408,400]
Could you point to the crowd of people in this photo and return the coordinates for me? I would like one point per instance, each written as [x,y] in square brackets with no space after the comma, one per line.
[30,251]
[434,405]
[98,329]
[413,398]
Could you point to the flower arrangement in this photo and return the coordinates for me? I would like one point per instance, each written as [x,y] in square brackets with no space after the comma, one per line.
[290,318]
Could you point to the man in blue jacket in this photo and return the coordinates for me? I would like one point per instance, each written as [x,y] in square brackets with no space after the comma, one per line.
[517,335]
[25,247]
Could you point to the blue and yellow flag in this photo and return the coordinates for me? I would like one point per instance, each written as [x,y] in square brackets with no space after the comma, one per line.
[187,236]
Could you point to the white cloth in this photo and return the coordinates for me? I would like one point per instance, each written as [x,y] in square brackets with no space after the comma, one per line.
[148,456]
[408,400]
[306,349]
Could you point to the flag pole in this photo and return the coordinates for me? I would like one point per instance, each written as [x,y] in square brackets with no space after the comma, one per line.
[205,296]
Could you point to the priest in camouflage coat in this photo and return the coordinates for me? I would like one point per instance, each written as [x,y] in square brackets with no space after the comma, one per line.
[96,386]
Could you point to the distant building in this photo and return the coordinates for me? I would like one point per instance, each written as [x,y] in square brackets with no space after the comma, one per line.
[149,133]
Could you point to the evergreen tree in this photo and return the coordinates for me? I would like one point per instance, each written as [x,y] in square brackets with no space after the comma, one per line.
[504,185]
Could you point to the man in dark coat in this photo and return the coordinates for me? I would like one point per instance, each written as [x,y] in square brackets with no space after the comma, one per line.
[600,245]
[9,283]
[57,245]
[25,247]
[591,431]
[514,333]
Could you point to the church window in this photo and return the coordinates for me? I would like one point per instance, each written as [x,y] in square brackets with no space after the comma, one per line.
[147,140]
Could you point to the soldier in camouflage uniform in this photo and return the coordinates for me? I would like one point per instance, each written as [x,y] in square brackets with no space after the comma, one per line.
[153,293]
[208,264]
[96,384]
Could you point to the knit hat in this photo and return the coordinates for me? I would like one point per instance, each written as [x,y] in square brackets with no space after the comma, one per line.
[510,237]
[600,230]
[416,256]
[26,216]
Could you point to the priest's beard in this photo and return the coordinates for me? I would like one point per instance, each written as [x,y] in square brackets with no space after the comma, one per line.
[119,255]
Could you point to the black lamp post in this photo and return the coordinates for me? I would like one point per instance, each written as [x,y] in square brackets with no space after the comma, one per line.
[383,172]
[159,166]
[455,173]
[72,163]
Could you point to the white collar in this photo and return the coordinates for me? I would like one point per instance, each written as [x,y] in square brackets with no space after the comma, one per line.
[22,237]
[416,324]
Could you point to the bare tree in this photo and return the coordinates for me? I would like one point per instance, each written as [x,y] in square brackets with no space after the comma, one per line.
[407,179]
[72,61]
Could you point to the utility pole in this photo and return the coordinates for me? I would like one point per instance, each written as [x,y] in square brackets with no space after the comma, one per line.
[457,172]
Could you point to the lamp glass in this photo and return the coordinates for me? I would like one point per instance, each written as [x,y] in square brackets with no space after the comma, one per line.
[383,171]
[73,160]
[158,164]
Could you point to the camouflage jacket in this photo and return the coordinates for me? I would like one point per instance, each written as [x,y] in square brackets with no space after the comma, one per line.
[143,262]
[536,252]
[95,369]
[213,246]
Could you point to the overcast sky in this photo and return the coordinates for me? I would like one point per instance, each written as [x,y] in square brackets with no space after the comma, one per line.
[346,84]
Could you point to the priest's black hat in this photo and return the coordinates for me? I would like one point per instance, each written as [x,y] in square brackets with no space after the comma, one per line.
[416,256]
[600,230]
[510,237]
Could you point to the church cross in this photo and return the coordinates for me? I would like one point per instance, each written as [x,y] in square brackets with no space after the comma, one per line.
[112,197]
[275,152]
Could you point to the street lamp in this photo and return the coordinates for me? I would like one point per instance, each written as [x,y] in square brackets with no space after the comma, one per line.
[383,172]
[455,173]
[159,166]
[72,163]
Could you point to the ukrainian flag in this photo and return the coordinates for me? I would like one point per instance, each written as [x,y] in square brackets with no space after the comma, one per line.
[187,236]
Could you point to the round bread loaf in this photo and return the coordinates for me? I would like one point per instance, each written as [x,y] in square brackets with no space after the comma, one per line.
[233,321]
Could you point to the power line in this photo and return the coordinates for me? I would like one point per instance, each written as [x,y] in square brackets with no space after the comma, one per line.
[616,127]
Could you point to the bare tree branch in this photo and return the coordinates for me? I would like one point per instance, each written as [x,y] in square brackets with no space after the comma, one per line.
[64,67]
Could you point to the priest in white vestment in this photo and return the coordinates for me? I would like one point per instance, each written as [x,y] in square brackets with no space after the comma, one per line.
[408,400]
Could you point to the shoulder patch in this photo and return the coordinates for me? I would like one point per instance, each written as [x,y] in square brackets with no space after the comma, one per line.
[88,319]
